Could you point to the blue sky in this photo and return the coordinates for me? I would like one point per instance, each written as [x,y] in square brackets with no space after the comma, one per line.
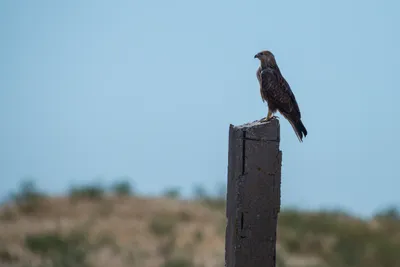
[147,89]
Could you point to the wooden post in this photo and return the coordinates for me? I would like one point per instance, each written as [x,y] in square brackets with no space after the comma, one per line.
[253,194]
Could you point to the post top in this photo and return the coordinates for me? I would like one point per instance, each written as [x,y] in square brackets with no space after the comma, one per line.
[261,130]
[273,122]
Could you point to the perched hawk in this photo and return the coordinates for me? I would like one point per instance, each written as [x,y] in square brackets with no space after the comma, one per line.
[276,91]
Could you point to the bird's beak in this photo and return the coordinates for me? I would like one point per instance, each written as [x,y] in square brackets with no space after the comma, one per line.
[256,56]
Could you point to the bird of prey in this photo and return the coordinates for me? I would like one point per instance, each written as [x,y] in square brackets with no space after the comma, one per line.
[276,92]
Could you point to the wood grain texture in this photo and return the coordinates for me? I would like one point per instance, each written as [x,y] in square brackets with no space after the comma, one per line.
[253,194]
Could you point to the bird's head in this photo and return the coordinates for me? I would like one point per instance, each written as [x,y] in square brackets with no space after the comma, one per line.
[266,58]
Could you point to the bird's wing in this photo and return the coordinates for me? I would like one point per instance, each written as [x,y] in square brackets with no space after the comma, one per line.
[258,73]
[275,88]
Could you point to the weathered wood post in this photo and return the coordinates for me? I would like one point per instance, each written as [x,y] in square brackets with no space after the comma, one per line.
[253,194]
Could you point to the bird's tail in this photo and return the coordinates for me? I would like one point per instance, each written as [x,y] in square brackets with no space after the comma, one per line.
[299,129]
[297,125]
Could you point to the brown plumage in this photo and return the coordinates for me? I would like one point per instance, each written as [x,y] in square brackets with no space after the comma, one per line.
[277,93]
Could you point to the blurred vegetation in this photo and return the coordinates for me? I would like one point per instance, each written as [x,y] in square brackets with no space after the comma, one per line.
[173,193]
[330,238]
[216,201]
[65,250]
[122,187]
[93,191]
[28,199]
[391,213]
[163,224]
[342,240]
[70,250]
[165,227]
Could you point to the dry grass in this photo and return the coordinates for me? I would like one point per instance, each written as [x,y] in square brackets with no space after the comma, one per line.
[91,228]
[137,227]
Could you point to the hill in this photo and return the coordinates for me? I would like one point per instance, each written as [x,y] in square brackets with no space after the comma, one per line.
[93,228]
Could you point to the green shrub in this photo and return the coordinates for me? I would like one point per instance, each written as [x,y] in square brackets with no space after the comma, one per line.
[68,250]
[91,192]
[122,188]
[28,198]
[390,213]
[65,251]
[173,193]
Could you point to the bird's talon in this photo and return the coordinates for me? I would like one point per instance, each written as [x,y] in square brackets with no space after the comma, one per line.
[268,119]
